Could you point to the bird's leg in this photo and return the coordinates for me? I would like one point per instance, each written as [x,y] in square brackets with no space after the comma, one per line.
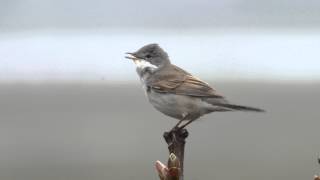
[177,125]
[184,115]
[186,124]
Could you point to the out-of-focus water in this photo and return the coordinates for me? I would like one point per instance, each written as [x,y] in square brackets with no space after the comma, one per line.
[215,54]
[99,131]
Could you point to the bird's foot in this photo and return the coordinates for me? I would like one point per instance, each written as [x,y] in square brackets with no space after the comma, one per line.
[175,132]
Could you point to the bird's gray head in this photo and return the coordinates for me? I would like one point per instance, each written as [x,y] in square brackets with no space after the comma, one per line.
[151,53]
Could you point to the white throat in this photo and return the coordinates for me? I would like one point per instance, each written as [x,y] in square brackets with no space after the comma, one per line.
[144,69]
[142,64]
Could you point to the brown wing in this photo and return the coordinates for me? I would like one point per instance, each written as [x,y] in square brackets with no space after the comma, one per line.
[177,81]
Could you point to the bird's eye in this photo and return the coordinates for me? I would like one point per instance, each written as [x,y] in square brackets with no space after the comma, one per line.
[148,56]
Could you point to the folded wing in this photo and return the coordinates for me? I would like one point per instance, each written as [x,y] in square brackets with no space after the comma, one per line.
[176,80]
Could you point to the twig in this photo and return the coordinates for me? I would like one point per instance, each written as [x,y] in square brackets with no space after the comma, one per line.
[176,143]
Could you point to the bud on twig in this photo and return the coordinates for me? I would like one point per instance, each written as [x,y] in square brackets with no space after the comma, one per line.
[170,172]
[162,170]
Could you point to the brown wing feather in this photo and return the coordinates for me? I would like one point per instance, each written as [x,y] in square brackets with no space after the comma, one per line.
[176,80]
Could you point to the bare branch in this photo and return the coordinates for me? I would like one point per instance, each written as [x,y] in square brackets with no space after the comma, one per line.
[176,143]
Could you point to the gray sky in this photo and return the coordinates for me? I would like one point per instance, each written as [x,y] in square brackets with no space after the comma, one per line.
[20,14]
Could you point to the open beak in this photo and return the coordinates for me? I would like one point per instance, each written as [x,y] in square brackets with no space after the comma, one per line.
[131,56]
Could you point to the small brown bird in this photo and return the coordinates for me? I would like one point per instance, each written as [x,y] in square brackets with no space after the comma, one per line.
[175,92]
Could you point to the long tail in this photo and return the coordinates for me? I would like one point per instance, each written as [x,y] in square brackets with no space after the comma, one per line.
[241,108]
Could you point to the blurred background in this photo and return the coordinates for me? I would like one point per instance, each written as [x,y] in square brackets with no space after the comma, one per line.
[72,108]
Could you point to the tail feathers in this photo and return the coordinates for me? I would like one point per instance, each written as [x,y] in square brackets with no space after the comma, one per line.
[241,108]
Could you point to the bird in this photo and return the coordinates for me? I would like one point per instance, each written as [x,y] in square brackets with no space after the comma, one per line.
[174,91]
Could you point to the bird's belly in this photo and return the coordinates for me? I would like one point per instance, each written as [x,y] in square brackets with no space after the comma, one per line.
[178,106]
